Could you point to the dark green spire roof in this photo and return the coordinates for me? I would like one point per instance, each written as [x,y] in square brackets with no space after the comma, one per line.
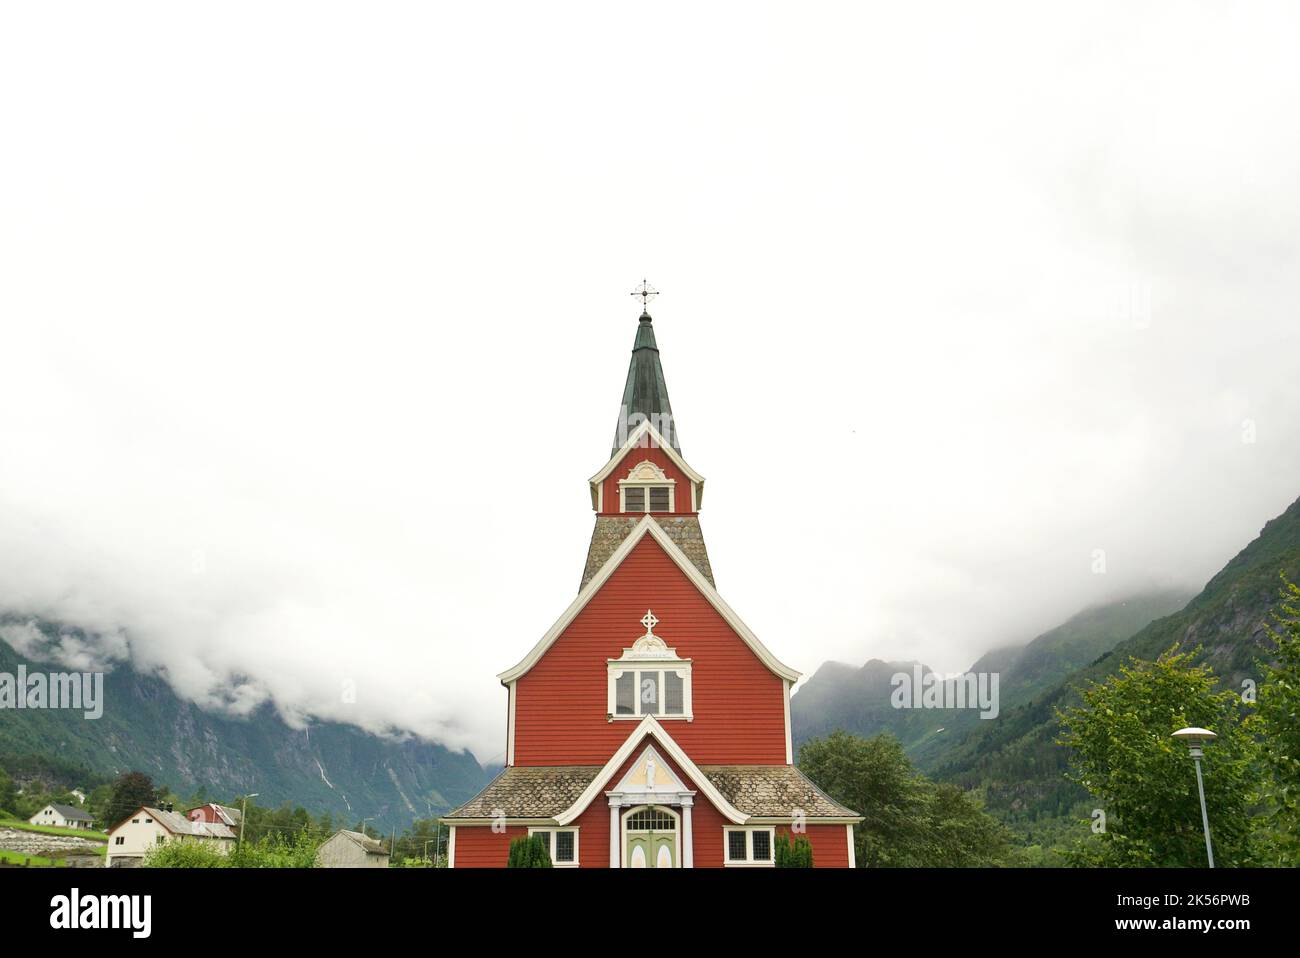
[646,394]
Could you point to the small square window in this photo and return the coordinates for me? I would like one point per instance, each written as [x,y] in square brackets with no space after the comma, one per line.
[634,499]
[659,499]
[561,845]
[564,846]
[749,846]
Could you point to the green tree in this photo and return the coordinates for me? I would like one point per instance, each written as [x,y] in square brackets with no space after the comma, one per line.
[908,821]
[131,790]
[529,852]
[8,794]
[1144,781]
[796,853]
[1277,722]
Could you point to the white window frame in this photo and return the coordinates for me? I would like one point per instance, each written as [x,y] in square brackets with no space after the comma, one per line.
[748,861]
[646,475]
[550,844]
[619,667]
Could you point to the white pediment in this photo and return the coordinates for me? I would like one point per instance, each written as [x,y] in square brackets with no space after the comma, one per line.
[650,775]
[646,471]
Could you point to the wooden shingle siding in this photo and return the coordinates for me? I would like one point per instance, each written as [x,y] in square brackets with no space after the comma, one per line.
[561,704]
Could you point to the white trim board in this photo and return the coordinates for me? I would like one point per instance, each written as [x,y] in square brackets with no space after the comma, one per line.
[697,481]
[649,726]
[648,526]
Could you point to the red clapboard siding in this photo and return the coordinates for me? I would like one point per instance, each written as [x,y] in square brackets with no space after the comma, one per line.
[681,491]
[561,703]
[477,846]
[830,844]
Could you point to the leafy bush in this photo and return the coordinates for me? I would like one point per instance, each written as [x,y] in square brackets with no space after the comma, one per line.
[276,851]
[529,853]
[184,855]
[793,854]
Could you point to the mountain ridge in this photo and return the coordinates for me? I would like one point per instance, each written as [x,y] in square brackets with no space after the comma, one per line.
[324,767]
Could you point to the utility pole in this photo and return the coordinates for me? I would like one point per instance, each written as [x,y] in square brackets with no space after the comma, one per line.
[243,817]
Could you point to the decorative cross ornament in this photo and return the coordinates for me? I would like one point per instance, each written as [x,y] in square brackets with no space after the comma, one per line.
[649,621]
[646,292]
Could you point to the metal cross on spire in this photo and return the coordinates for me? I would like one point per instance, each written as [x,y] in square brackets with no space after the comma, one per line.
[647,293]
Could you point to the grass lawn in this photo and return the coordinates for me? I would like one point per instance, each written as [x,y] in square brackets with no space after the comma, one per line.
[54,830]
[18,858]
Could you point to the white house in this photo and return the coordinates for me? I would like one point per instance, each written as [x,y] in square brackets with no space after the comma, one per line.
[347,849]
[64,816]
[148,828]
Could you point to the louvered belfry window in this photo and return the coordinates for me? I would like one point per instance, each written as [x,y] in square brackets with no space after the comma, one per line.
[647,499]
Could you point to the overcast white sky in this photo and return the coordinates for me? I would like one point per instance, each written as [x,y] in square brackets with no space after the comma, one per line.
[315,320]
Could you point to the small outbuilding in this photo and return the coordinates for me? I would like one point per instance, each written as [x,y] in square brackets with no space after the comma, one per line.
[347,849]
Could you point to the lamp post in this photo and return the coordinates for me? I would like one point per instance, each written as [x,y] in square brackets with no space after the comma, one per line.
[243,815]
[1195,738]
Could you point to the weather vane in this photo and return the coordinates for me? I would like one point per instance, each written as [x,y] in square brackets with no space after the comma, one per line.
[647,293]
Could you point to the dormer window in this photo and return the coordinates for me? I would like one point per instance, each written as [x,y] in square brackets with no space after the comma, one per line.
[647,488]
[649,679]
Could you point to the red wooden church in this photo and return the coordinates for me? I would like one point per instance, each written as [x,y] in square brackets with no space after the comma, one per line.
[649,727]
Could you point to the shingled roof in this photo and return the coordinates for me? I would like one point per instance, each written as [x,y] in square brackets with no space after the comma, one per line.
[72,813]
[773,791]
[542,792]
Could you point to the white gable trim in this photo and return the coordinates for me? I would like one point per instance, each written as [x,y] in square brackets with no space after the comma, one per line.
[657,439]
[648,526]
[674,751]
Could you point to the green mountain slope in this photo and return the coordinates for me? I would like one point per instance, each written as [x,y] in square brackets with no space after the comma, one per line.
[1015,761]
[327,767]
[858,700]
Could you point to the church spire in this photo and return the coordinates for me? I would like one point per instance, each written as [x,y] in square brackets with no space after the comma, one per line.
[645,396]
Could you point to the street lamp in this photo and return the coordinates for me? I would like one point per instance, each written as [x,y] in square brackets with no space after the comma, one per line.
[242,816]
[1195,738]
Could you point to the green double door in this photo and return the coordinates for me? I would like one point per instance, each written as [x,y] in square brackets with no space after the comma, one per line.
[651,847]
